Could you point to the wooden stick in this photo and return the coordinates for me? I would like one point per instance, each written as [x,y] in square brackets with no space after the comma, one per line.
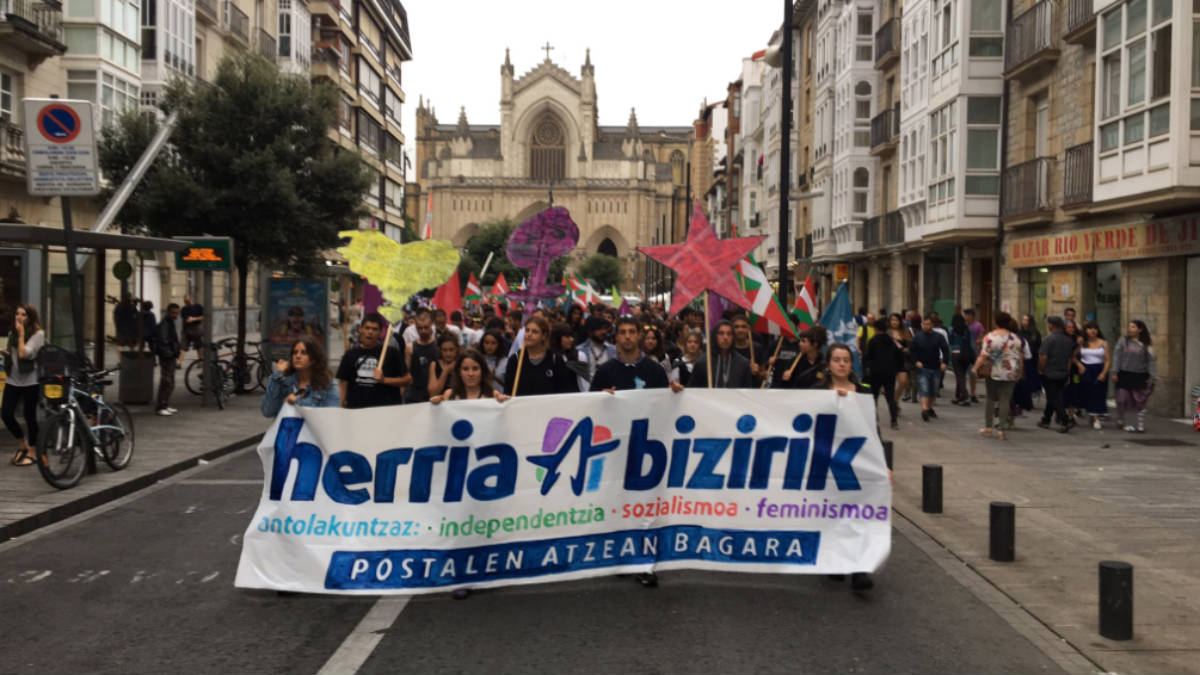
[771,368]
[517,377]
[386,337]
[795,362]
[708,364]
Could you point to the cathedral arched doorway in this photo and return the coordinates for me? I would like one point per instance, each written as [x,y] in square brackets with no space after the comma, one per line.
[607,247]
[548,150]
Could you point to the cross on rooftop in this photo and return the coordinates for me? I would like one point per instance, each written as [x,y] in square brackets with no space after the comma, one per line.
[547,48]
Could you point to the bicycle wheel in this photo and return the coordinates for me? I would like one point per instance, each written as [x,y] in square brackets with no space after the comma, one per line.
[220,385]
[61,459]
[193,377]
[243,374]
[117,447]
[262,372]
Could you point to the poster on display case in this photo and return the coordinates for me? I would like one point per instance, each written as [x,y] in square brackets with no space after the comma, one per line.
[295,308]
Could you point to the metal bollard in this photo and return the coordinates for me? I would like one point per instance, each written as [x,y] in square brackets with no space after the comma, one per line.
[1116,600]
[887,454]
[931,488]
[1002,546]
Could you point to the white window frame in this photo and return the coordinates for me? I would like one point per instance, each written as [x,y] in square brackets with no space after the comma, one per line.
[1124,118]
[943,148]
[8,96]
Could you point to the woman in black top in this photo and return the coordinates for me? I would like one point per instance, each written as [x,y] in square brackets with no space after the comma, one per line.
[541,371]
[884,361]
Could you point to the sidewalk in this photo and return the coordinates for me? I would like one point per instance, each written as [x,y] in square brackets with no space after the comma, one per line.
[1081,498]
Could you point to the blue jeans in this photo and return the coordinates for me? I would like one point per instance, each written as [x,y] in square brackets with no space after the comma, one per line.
[927,382]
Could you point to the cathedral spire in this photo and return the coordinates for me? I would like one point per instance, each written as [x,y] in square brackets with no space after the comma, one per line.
[464,129]
[631,129]
[587,59]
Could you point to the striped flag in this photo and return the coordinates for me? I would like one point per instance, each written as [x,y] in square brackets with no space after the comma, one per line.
[428,230]
[582,292]
[500,288]
[805,310]
[766,312]
[474,291]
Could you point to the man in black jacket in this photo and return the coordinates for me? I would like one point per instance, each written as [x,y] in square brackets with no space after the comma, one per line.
[731,369]
[167,347]
[930,354]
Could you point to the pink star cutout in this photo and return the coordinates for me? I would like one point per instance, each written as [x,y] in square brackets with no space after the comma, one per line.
[704,263]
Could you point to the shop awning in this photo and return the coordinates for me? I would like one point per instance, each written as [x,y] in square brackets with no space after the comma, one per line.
[33,235]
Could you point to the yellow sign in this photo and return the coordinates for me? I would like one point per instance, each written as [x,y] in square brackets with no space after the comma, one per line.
[198,254]
[841,272]
[398,270]
[1060,284]
[1179,235]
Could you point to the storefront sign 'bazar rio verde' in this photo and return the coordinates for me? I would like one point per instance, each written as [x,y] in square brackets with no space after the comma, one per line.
[422,498]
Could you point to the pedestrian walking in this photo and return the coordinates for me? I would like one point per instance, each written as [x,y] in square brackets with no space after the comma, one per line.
[1030,385]
[903,339]
[21,381]
[883,362]
[730,369]
[1094,359]
[1134,364]
[999,364]
[1071,392]
[930,354]
[962,358]
[303,379]
[1054,365]
[170,353]
[368,378]
[977,331]
[841,379]
[449,347]
[539,371]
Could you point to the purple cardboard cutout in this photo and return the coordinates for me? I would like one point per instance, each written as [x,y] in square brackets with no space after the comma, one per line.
[534,245]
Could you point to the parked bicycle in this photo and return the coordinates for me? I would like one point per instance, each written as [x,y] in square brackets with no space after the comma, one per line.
[243,375]
[202,371]
[79,422]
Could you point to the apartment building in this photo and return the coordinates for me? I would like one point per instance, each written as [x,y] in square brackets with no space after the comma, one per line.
[1101,185]
[359,46]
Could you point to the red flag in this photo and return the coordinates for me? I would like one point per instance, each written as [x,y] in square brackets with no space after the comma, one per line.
[448,296]
[500,288]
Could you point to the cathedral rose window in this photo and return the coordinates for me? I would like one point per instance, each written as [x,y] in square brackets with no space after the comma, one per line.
[548,151]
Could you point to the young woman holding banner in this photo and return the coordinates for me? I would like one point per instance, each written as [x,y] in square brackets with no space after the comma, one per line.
[448,350]
[303,380]
[842,380]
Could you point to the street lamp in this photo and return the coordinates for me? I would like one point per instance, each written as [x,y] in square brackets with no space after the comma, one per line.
[776,58]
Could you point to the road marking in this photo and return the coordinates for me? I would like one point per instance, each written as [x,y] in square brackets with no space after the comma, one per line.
[357,647]
[210,577]
[38,577]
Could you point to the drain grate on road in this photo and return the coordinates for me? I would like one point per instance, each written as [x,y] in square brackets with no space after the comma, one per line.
[1161,442]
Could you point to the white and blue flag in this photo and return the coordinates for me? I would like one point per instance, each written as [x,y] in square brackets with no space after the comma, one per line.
[838,319]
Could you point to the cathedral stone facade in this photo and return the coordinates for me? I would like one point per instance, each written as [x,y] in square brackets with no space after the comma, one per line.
[624,186]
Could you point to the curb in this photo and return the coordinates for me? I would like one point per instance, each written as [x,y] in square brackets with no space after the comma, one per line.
[77,506]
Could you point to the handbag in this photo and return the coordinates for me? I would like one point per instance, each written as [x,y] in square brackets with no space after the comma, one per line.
[984,370]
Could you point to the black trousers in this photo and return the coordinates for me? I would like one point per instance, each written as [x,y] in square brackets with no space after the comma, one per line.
[28,398]
[888,387]
[1054,400]
[166,381]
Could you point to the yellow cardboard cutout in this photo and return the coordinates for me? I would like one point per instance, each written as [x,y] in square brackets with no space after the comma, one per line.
[398,271]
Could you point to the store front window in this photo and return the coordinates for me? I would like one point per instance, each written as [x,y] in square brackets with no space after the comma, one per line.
[1108,300]
[1036,282]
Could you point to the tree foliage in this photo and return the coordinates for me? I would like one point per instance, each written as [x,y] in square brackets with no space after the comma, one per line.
[603,270]
[250,159]
[492,237]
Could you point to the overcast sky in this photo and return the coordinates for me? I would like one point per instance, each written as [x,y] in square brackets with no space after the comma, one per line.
[661,56]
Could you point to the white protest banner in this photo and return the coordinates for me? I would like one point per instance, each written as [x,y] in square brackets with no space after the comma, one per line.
[423,498]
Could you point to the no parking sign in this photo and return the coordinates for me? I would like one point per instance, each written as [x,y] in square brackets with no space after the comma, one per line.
[60,147]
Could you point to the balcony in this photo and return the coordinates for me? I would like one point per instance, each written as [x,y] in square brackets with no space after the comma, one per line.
[266,45]
[206,10]
[885,131]
[887,44]
[1077,177]
[34,28]
[1081,23]
[1026,190]
[1029,44]
[237,22]
[12,150]
[893,229]
[872,235]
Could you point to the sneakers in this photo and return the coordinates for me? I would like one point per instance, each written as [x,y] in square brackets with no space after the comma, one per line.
[1139,429]
[1043,424]
[647,579]
[172,410]
[974,399]
[924,415]
[164,412]
[1096,424]
[933,413]
[895,424]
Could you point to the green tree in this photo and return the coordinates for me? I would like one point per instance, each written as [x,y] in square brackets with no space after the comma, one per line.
[250,159]
[492,237]
[603,270]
